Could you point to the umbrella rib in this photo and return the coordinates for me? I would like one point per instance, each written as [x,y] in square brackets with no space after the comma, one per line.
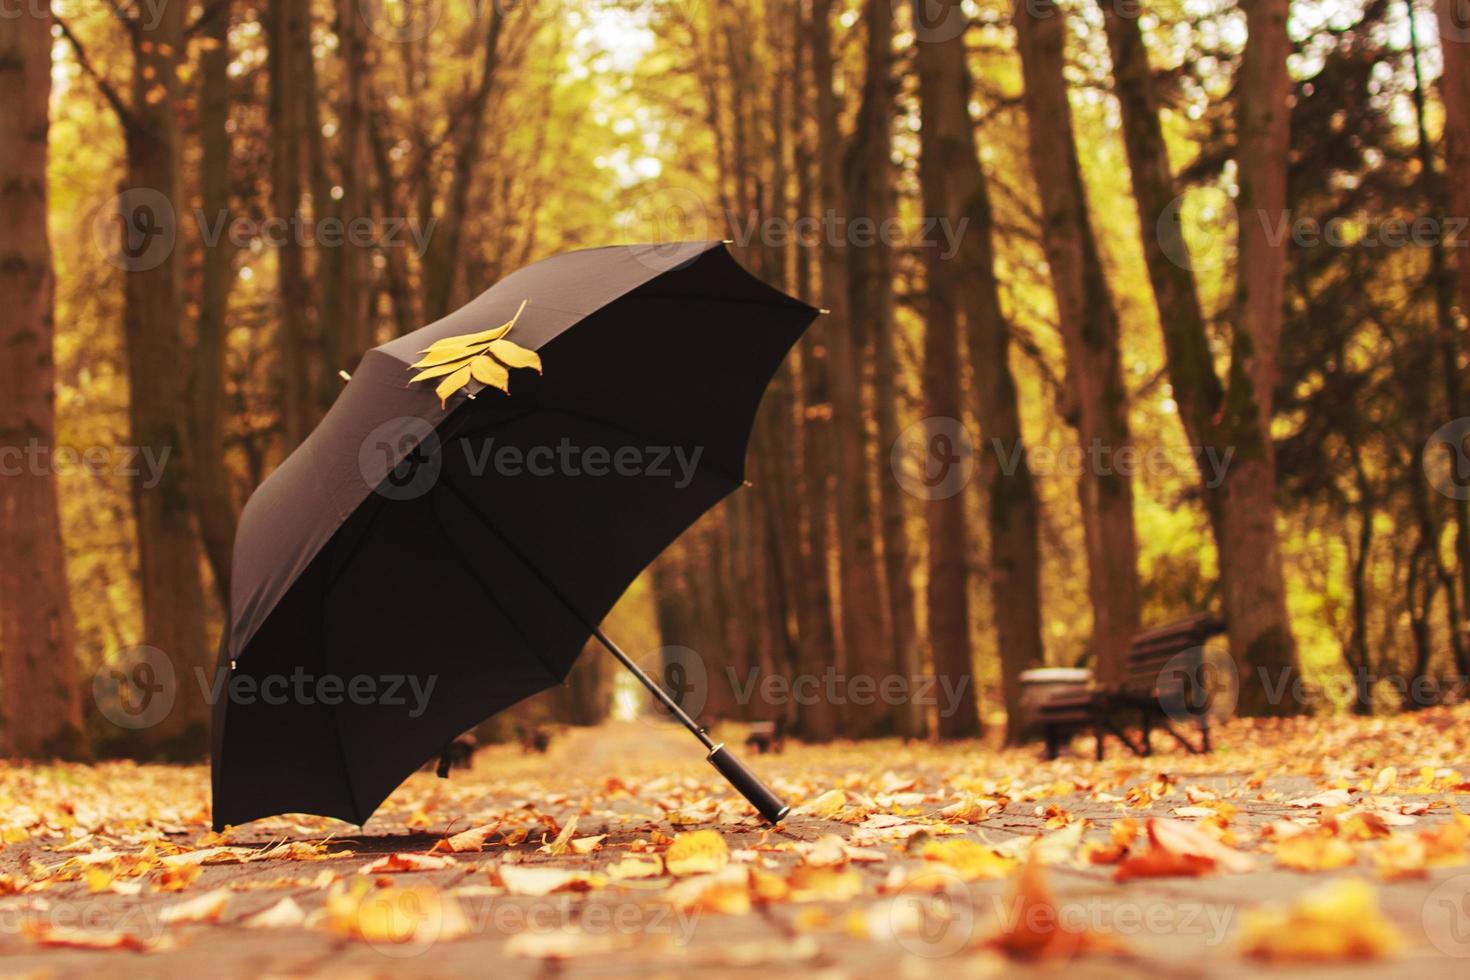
[474,572]
[520,556]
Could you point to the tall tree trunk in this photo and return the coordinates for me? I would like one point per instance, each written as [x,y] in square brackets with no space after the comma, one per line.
[169,559]
[1015,554]
[1454,35]
[213,506]
[870,176]
[1448,201]
[1089,328]
[866,651]
[41,708]
[286,22]
[816,721]
[442,260]
[1250,550]
[355,323]
[948,592]
[1220,418]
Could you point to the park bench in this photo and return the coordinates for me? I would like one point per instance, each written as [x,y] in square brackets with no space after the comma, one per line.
[1163,682]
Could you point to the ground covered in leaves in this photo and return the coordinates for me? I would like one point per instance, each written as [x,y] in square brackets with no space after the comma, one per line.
[1312,845]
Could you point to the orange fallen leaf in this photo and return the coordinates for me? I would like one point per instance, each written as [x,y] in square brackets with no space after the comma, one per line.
[209,907]
[697,852]
[1338,921]
[472,840]
[61,936]
[1314,852]
[1032,928]
[398,862]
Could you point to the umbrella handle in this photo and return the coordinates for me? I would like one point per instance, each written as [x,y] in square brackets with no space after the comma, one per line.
[766,802]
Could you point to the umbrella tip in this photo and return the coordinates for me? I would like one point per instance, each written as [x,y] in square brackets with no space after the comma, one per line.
[344,376]
[824,311]
[727,241]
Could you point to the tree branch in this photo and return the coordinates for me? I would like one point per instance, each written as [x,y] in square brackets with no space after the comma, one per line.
[124,114]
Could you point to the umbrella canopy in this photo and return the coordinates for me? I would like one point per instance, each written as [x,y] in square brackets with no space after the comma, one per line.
[415,567]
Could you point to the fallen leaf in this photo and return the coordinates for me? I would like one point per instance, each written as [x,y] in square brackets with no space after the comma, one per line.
[697,852]
[285,914]
[472,840]
[208,907]
[1338,921]
[1032,928]
[398,862]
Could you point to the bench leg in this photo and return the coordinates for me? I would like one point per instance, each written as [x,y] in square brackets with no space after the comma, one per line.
[1052,747]
[1204,733]
[1101,730]
[1148,745]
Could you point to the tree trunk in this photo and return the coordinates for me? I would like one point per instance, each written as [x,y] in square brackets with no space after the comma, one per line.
[1255,586]
[1015,556]
[1454,35]
[870,176]
[1237,418]
[355,323]
[1089,328]
[948,593]
[286,22]
[442,260]
[41,708]
[169,559]
[213,506]
[816,721]
[866,651]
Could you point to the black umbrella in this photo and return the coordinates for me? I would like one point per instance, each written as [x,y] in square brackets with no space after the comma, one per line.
[418,565]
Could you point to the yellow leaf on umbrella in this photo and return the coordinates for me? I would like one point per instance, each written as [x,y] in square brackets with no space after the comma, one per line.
[697,852]
[484,337]
[446,355]
[489,371]
[437,372]
[1339,921]
[516,356]
[451,384]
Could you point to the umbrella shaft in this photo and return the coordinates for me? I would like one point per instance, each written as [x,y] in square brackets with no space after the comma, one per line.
[655,689]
